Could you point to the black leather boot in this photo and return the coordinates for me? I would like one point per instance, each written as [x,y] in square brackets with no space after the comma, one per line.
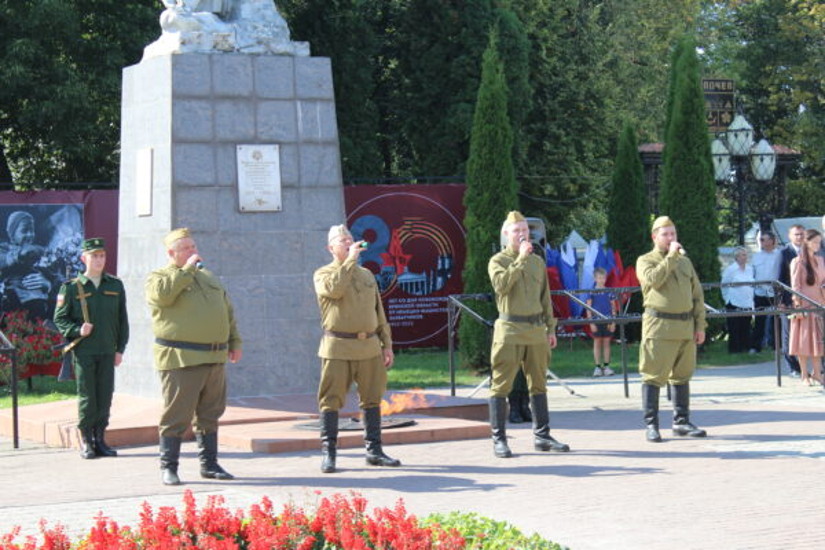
[514,400]
[87,443]
[542,440]
[372,437]
[169,456]
[208,456]
[650,405]
[498,424]
[101,448]
[329,440]
[681,413]
[524,403]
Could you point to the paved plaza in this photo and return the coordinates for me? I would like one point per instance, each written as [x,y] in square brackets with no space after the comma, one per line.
[755,483]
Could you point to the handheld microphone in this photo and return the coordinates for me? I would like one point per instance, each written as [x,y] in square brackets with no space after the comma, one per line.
[524,239]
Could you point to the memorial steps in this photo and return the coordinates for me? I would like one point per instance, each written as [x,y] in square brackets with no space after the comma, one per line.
[270,424]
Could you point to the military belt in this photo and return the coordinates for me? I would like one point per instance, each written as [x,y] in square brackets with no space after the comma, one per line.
[350,335]
[192,346]
[537,319]
[669,316]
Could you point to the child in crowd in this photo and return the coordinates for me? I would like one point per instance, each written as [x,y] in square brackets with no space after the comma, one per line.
[602,334]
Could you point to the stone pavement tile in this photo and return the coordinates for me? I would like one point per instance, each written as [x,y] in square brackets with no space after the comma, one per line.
[755,483]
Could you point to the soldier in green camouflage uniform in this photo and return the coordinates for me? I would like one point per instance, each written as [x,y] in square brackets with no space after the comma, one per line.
[523,335]
[356,346]
[195,333]
[672,326]
[103,337]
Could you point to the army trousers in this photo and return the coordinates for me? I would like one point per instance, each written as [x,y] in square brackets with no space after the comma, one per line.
[663,362]
[195,395]
[95,376]
[337,376]
[507,359]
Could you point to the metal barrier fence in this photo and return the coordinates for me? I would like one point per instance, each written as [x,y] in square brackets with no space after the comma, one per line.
[8,350]
[456,306]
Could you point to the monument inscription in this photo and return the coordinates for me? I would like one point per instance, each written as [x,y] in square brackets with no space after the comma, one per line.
[259,178]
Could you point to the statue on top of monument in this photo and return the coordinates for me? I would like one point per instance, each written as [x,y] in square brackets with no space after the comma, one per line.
[208,26]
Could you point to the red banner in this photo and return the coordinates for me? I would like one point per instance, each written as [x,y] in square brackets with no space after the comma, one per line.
[416,250]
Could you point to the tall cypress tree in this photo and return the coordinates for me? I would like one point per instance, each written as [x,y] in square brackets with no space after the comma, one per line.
[491,193]
[627,216]
[688,190]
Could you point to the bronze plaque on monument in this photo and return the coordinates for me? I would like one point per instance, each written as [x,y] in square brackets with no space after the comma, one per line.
[259,178]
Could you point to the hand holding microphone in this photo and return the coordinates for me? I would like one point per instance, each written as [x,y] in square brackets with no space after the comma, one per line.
[356,248]
[676,247]
[525,247]
[195,261]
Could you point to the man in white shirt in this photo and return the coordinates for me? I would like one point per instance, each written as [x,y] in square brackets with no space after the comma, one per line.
[738,298]
[766,264]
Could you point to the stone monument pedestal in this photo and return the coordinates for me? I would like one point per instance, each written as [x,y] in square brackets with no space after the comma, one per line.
[183,117]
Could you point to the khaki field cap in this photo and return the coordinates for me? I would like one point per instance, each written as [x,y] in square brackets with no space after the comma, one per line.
[514,217]
[662,221]
[176,235]
[337,231]
[90,245]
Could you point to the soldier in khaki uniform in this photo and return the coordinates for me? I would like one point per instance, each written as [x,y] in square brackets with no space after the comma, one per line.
[101,332]
[523,335]
[673,325]
[195,333]
[356,346]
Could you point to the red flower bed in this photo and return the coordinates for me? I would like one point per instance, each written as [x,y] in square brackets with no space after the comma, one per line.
[338,523]
[34,342]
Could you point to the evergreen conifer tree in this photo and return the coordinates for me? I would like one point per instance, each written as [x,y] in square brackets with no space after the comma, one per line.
[688,190]
[628,221]
[491,193]
[628,217]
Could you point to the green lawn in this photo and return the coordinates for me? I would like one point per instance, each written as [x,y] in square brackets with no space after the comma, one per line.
[571,359]
[430,368]
[43,389]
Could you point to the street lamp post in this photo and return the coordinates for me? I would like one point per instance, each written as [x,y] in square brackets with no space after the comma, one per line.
[736,161]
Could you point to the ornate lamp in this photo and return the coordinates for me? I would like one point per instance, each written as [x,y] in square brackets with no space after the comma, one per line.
[763,161]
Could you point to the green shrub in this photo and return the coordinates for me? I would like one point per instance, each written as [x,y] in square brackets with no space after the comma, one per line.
[481,532]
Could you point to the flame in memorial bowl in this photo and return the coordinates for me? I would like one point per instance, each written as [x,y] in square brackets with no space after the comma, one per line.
[400,402]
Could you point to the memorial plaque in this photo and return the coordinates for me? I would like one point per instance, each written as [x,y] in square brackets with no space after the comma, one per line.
[143,182]
[259,178]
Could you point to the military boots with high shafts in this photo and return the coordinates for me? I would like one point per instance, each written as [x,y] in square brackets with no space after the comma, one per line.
[515,417]
[372,437]
[329,440]
[498,426]
[208,456]
[101,448]
[542,440]
[87,443]
[169,456]
[681,413]
[650,404]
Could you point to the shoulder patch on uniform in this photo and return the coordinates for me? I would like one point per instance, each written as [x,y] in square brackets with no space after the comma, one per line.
[61,299]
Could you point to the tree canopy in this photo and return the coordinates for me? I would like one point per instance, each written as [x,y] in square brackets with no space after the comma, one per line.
[61,65]
[407,72]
